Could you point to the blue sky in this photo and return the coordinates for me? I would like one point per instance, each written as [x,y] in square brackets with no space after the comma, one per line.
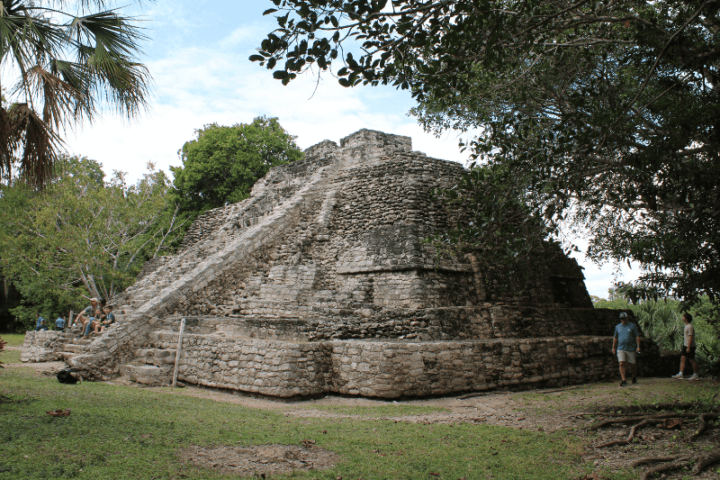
[197,54]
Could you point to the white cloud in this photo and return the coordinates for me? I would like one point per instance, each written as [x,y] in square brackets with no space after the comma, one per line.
[599,278]
[196,86]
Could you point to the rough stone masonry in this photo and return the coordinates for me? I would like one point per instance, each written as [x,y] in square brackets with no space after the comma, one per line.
[321,282]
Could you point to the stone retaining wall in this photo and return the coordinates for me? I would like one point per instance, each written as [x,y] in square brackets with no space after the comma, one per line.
[391,369]
[44,345]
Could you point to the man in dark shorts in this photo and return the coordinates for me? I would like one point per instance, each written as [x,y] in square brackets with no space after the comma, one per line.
[688,350]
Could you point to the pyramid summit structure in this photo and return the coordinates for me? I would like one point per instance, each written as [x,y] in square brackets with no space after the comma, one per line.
[321,282]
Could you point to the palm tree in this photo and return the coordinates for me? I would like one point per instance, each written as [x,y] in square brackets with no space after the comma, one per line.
[64,69]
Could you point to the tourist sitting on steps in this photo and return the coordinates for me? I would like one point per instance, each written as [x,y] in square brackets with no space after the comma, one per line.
[60,324]
[94,322]
[40,323]
[84,317]
[688,349]
[107,321]
[625,339]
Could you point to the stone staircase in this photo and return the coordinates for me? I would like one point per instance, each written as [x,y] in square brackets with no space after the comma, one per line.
[157,294]
[152,366]
[77,346]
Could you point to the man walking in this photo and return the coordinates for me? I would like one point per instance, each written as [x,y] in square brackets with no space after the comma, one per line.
[688,350]
[626,342]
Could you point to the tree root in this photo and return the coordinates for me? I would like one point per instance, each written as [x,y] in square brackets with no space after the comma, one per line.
[640,417]
[694,415]
[651,407]
[703,426]
[713,456]
[645,461]
[679,463]
[630,437]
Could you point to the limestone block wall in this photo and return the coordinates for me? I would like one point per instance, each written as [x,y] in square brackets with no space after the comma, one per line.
[478,322]
[270,367]
[44,345]
[391,369]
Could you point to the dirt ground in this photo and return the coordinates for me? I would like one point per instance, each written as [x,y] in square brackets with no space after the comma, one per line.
[262,460]
[570,410]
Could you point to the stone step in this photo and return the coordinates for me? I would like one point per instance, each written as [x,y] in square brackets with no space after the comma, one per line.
[66,356]
[160,357]
[147,374]
[77,348]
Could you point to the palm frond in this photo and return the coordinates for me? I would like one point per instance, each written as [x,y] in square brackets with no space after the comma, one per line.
[59,96]
[39,143]
[67,70]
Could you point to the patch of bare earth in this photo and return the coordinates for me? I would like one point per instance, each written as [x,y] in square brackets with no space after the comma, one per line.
[262,461]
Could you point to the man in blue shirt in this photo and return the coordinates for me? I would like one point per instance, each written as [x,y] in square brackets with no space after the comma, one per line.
[60,324]
[626,342]
[40,323]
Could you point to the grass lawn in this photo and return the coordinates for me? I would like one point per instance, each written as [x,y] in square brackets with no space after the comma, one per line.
[13,339]
[10,356]
[118,432]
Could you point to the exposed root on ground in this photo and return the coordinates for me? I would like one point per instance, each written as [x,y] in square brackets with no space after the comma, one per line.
[653,415]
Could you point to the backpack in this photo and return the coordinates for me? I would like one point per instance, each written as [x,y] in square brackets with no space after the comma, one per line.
[66,376]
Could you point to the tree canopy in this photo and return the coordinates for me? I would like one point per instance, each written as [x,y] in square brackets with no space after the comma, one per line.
[609,110]
[62,62]
[82,236]
[223,163]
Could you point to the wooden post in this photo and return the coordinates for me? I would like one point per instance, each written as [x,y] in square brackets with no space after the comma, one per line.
[177,353]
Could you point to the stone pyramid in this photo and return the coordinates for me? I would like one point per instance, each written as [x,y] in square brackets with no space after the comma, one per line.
[321,282]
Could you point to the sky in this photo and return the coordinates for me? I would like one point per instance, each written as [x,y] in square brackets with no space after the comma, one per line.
[197,53]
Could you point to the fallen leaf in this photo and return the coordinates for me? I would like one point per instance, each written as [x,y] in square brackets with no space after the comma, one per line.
[59,413]
[308,442]
[434,474]
[147,435]
[672,423]
[324,431]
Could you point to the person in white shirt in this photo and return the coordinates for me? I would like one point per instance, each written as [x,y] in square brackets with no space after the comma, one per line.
[688,350]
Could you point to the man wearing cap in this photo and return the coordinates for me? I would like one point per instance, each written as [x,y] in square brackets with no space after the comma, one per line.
[83,317]
[626,342]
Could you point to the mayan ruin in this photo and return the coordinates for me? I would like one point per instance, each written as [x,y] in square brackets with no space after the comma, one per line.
[320,282]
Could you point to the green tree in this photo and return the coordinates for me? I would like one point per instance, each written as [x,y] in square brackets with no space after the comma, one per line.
[81,236]
[608,111]
[62,62]
[223,163]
